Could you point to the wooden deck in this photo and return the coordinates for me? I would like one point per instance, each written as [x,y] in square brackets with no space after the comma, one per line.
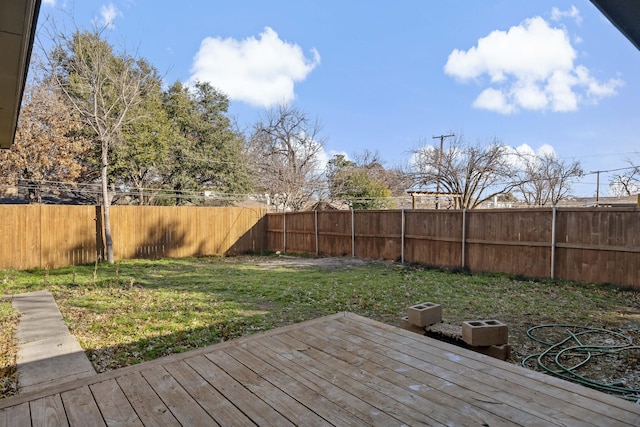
[338,370]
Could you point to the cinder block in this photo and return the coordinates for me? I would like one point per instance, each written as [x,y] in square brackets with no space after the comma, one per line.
[502,352]
[485,332]
[425,314]
[405,324]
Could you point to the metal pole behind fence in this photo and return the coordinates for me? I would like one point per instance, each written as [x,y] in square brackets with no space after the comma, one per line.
[464,236]
[553,242]
[353,233]
[317,244]
[402,238]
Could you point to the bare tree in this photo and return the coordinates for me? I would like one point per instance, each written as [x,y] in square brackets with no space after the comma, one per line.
[470,174]
[627,182]
[285,149]
[544,179]
[103,87]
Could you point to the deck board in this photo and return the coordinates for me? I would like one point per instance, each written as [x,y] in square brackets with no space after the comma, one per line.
[306,396]
[284,404]
[361,409]
[456,380]
[114,406]
[585,403]
[186,409]
[144,400]
[16,415]
[48,411]
[217,406]
[447,395]
[81,408]
[342,370]
[255,409]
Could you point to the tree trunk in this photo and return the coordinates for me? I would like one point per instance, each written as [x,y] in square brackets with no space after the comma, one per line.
[106,203]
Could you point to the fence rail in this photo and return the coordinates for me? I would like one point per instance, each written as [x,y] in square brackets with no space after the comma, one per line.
[49,236]
[598,245]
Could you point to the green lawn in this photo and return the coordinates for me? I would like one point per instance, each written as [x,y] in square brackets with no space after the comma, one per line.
[140,310]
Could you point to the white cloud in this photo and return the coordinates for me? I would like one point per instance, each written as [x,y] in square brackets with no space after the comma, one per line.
[546,150]
[573,13]
[261,71]
[543,150]
[515,155]
[108,15]
[532,67]
[493,100]
[49,2]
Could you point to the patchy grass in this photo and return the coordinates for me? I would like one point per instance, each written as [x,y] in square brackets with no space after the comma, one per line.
[140,310]
[8,376]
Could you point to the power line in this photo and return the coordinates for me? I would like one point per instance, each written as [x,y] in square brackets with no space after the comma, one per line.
[612,170]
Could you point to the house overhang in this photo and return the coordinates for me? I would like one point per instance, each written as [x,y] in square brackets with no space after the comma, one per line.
[625,15]
[17,31]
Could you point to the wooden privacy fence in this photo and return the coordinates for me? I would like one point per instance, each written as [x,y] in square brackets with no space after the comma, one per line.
[598,245]
[46,235]
[49,236]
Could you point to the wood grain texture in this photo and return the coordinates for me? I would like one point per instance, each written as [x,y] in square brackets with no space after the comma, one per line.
[342,369]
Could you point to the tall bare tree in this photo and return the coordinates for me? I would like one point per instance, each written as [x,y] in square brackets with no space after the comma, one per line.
[627,181]
[469,174]
[103,87]
[48,149]
[285,149]
[544,179]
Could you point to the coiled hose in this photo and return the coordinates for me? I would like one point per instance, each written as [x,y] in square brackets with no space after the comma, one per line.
[574,347]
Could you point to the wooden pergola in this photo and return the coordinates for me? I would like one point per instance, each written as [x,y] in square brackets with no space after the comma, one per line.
[416,194]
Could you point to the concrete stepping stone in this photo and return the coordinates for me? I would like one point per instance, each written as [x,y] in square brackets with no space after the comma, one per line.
[47,352]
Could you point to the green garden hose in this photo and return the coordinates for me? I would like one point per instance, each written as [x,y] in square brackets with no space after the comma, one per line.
[575,347]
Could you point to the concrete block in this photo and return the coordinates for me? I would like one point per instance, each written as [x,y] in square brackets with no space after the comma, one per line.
[425,314]
[485,332]
[502,352]
[405,324]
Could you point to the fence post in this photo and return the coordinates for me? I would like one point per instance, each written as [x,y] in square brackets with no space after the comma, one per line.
[353,233]
[316,225]
[553,241]
[464,235]
[284,232]
[402,238]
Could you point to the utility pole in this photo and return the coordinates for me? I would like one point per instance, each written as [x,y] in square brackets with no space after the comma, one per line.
[441,137]
[598,188]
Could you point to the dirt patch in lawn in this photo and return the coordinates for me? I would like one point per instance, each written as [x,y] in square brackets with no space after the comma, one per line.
[284,261]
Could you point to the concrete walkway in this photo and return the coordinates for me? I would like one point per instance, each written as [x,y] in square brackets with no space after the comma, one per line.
[47,353]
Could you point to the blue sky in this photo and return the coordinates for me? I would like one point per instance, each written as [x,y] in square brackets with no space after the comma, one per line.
[388,76]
